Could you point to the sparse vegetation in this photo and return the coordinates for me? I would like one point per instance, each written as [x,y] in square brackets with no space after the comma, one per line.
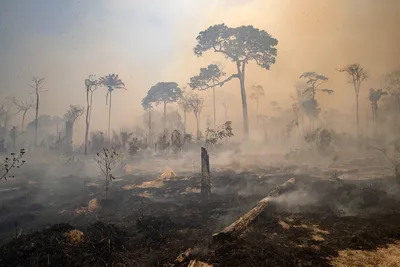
[11,162]
[213,137]
[107,160]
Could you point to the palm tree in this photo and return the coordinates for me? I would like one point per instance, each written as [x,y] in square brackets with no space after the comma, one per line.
[112,82]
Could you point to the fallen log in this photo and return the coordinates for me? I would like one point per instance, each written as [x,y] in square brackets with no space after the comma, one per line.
[241,224]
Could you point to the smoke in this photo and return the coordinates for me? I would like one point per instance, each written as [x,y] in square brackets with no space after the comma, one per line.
[148,42]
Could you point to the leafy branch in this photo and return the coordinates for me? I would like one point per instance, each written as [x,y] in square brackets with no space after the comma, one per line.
[222,132]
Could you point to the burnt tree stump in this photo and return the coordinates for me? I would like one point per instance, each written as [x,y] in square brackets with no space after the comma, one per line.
[205,174]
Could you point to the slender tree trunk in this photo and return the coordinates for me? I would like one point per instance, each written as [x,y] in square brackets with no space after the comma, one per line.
[241,72]
[215,116]
[87,119]
[109,121]
[36,115]
[23,120]
[357,117]
[69,125]
[184,122]
[165,115]
[197,126]
[257,110]
[150,135]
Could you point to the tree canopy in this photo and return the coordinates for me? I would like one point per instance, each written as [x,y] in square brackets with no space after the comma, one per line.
[241,45]
[208,77]
[375,95]
[112,82]
[163,92]
[314,80]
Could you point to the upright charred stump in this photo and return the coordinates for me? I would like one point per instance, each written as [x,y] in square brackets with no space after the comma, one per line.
[205,174]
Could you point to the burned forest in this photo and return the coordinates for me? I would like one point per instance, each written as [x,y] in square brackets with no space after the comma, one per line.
[199,133]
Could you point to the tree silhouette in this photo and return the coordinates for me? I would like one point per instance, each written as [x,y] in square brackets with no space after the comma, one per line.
[393,85]
[37,85]
[73,112]
[24,107]
[374,96]
[357,75]
[112,82]
[148,106]
[310,103]
[226,98]
[91,85]
[196,104]
[241,45]
[208,78]
[14,135]
[5,117]
[162,92]
[256,94]
[184,104]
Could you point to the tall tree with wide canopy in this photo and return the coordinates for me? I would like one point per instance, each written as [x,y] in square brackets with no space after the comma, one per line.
[91,85]
[374,96]
[241,45]
[357,75]
[208,78]
[256,94]
[112,82]
[163,92]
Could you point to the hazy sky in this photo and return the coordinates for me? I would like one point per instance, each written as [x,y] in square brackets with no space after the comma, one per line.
[150,41]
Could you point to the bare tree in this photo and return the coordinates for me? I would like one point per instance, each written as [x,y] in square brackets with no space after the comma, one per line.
[24,107]
[196,104]
[37,85]
[74,112]
[256,94]
[91,85]
[184,104]
[225,104]
[357,75]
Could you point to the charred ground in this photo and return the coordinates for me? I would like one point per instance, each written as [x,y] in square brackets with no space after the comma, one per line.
[150,221]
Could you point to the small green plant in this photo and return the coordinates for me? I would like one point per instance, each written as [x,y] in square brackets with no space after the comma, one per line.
[107,160]
[9,163]
[213,137]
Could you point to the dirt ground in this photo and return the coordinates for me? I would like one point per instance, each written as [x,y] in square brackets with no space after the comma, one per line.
[333,217]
